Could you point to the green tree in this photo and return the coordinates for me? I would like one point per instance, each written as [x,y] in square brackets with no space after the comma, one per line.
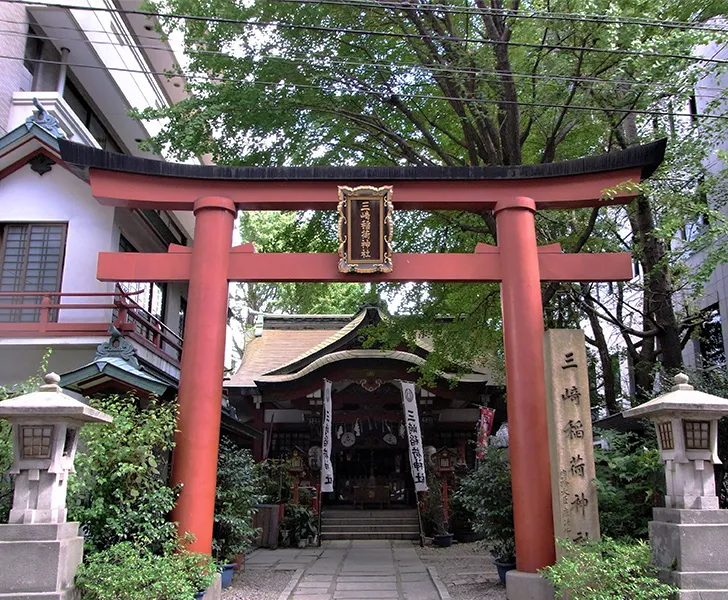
[455,83]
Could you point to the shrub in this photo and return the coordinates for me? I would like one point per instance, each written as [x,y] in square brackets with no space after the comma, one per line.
[127,572]
[119,493]
[237,493]
[629,481]
[607,570]
[485,493]
[275,482]
[300,522]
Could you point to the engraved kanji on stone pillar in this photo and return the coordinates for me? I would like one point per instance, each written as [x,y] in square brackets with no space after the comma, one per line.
[576,514]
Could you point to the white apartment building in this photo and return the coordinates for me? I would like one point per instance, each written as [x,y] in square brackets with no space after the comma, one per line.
[708,347]
[87,69]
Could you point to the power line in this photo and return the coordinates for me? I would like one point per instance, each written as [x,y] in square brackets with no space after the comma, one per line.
[306,60]
[339,30]
[516,14]
[382,97]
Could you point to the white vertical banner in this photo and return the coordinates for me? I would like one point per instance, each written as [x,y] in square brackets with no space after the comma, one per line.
[327,470]
[414,435]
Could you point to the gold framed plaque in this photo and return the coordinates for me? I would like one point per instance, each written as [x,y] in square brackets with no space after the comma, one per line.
[365,229]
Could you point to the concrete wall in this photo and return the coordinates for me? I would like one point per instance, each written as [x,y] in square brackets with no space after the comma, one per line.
[13,75]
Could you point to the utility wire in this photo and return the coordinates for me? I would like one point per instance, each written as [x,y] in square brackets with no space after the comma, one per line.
[381,96]
[515,14]
[340,30]
[307,61]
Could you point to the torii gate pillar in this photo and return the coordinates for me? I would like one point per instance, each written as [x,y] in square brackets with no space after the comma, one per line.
[525,385]
[194,463]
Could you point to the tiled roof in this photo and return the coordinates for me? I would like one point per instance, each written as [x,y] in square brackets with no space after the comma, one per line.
[275,348]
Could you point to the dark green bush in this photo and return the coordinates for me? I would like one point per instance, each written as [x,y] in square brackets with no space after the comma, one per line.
[237,493]
[606,570]
[126,572]
[629,481]
[485,493]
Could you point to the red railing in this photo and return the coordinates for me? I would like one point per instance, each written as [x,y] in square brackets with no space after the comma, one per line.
[22,315]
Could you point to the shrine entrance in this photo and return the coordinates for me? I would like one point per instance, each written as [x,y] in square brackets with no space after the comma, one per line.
[512,193]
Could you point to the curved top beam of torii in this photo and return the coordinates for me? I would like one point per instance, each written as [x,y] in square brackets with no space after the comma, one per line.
[121,180]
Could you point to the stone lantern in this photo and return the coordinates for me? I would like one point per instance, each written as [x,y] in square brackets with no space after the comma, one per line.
[45,426]
[689,536]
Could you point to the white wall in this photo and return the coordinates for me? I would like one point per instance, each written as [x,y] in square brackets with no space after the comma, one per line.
[59,196]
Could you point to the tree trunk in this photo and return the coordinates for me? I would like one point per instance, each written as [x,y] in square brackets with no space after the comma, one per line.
[610,386]
[657,283]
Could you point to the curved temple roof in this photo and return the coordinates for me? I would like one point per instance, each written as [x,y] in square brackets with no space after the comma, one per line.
[646,157]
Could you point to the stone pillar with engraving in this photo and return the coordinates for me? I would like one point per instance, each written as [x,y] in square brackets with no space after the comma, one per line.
[571,448]
[689,536]
[39,550]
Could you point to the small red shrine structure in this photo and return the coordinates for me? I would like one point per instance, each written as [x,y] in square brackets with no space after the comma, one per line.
[514,193]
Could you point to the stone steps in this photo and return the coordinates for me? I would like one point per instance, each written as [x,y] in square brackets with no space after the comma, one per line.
[369,525]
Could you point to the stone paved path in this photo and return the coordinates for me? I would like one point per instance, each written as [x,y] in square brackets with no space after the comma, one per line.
[353,570]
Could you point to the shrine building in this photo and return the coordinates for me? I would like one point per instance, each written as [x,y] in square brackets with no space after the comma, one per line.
[278,390]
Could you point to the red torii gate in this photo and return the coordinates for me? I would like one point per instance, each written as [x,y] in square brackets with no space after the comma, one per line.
[513,193]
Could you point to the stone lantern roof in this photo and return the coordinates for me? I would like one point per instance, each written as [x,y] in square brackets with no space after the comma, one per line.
[49,402]
[683,398]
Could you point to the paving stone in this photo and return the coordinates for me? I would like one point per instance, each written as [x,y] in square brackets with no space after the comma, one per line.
[287,567]
[369,586]
[310,596]
[366,595]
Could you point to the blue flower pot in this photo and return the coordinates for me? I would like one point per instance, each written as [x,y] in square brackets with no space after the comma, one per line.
[199,595]
[227,575]
[503,568]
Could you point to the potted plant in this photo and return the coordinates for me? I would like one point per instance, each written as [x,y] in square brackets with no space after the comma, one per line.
[486,493]
[236,496]
[433,511]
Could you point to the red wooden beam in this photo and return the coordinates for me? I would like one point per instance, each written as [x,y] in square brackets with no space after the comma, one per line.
[274,267]
[131,190]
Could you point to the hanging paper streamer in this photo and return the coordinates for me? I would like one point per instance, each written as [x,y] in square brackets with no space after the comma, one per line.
[414,436]
[401,430]
[327,470]
[485,426]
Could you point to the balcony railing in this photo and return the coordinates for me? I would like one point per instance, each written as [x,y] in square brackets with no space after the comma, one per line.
[51,314]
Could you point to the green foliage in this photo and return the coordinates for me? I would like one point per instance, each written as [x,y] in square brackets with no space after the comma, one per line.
[6,460]
[300,522]
[125,571]
[274,481]
[119,492]
[237,493]
[486,494]
[433,517]
[607,570]
[629,480]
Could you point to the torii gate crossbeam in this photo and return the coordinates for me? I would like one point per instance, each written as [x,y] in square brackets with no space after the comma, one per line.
[513,193]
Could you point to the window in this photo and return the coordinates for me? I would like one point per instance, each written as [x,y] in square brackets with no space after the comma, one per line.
[712,348]
[31,260]
[697,435]
[88,117]
[152,297]
[36,441]
[666,440]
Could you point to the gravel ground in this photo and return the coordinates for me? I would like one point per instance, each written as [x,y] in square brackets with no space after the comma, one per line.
[257,584]
[466,569]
